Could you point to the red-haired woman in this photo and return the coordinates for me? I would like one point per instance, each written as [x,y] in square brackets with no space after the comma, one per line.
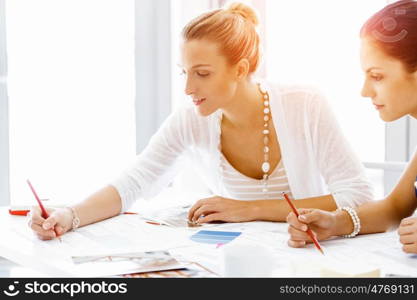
[389,60]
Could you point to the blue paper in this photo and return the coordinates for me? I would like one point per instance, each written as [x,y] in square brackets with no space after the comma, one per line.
[214,237]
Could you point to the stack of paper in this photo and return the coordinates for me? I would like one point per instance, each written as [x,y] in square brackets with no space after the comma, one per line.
[126,263]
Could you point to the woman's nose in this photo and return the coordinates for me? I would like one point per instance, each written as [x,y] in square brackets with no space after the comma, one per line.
[367,91]
[189,90]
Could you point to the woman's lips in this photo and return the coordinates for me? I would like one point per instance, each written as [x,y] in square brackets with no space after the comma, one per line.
[378,107]
[198,102]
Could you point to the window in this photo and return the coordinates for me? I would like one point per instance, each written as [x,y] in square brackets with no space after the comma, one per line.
[4,113]
[71,95]
[73,113]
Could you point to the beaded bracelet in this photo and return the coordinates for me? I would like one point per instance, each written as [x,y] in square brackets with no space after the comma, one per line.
[355,220]
[75,218]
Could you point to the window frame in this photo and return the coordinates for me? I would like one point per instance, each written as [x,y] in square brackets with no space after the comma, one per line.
[153,54]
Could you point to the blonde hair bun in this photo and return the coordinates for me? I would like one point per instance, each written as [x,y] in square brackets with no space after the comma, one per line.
[245,11]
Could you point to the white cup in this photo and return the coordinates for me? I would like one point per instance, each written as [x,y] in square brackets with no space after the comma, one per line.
[242,259]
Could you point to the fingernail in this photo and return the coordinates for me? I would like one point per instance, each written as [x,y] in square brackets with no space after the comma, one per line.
[46,225]
[304,228]
[303,218]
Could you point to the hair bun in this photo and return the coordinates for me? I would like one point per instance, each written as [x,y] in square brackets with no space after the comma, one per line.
[245,11]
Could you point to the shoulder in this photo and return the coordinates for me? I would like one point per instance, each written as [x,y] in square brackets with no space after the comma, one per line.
[295,92]
[298,97]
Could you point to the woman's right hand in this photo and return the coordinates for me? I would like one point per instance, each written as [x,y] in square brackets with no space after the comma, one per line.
[59,222]
[321,222]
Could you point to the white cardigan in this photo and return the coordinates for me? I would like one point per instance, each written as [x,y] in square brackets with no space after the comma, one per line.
[317,157]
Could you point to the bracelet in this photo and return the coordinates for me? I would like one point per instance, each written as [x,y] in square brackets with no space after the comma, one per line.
[75,218]
[355,220]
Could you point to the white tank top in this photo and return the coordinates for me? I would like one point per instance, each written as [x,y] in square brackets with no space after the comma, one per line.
[242,187]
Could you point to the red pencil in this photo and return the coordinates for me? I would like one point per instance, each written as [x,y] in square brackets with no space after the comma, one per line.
[44,214]
[153,223]
[19,212]
[309,232]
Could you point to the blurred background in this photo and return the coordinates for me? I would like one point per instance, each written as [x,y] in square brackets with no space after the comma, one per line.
[85,83]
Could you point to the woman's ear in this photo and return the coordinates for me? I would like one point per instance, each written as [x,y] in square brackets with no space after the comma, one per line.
[242,69]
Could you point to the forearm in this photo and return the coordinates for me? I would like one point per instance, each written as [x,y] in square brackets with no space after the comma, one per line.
[103,204]
[278,210]
[374,217]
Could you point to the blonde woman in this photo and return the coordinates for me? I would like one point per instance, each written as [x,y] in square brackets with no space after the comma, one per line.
[389,60]
[248,141]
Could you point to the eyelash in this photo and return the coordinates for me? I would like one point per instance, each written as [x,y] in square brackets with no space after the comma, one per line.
[182,73]
[376,77]
[202,75]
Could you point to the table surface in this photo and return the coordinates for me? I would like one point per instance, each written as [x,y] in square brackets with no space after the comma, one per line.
[341,249]
[11,269]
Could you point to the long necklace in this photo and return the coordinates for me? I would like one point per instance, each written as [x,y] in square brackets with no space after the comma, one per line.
[266,150]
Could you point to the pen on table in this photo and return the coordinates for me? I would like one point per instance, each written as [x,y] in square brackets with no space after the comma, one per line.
[18,212]
[309,232]
[44,214]
[153,223]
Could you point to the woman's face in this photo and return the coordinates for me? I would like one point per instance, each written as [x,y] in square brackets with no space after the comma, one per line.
[391,87]
[210,80]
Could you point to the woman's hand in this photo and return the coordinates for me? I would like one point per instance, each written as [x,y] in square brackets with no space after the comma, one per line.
[59,222]
[321,222]
[408,234]
[221,209]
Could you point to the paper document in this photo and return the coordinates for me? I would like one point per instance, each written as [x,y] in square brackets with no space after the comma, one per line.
[192,270]
[176,216]
[127,263]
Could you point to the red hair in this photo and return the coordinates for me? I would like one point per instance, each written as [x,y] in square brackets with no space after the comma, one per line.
[394,30]
[233,28]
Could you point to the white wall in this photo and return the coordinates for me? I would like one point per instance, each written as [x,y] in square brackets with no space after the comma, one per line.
[4,113]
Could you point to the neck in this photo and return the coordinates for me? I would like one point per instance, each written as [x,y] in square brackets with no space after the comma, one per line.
[245,109]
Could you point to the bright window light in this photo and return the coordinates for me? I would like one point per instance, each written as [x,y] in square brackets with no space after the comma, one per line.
[317,43]
[71,94]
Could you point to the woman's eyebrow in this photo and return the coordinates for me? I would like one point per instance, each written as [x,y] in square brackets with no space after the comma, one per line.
[372,69]
[200,65]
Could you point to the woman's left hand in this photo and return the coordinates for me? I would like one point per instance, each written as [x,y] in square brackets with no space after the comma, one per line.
[408,234]
[221,209]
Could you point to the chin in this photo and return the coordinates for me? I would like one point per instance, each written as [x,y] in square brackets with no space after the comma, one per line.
[389,117]
[203,112]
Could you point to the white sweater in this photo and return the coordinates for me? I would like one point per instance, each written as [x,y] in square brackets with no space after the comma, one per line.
[318,159]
